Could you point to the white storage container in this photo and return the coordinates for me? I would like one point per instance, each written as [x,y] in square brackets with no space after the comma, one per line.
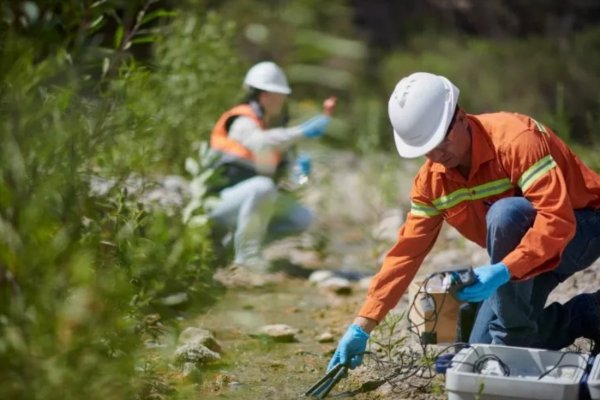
[593,381]
[561,373]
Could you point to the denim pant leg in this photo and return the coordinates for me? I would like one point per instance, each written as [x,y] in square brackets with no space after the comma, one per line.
[247,207]
[289,218]
[505,317]
[514,313]
[561,324]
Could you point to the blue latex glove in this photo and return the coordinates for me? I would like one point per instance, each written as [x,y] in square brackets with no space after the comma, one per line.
[304,164]
[489,278]
[315,126]
[350,349]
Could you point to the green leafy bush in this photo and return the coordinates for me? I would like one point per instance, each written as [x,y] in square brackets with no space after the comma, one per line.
[82,269]
[533,76]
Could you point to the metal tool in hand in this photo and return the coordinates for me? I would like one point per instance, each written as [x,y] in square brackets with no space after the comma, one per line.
[321,389]
[454,280]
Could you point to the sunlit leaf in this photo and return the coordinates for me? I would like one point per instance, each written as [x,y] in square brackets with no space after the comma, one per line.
[97,23]
[162,13]
[97,3]
[118,39]
[191,166]
[143,39]
[31,10]
[189,209]
[105,66]
[198,221]
[198,186]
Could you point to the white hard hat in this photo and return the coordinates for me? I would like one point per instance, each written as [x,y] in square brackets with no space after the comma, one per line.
[267,76]
[420,110]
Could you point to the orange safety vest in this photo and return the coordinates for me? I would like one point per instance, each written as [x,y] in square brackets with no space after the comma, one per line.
[220,141]
[512,155]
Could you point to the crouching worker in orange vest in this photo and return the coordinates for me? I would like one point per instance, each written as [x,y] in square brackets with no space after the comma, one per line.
[251,157]
[508,183]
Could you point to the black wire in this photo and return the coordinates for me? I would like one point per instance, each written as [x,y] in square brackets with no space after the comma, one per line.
[481,362]
[557,365]
[408,364]
[414,327]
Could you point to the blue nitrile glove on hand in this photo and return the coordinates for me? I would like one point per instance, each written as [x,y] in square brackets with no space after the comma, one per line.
[350,349]
[304,164]
[489,278]
[315,126]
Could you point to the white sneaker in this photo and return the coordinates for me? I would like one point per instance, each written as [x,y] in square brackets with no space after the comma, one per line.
[245,276]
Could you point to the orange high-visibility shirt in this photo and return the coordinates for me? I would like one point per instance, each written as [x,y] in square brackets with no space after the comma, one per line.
[512,155]
[220,141]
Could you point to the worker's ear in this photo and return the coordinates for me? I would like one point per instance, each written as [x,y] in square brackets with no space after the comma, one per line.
[460,116]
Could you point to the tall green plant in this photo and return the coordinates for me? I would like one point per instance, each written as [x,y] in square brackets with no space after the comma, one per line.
[173,105]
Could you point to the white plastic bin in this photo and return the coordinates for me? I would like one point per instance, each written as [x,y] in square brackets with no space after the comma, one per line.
[593,381]
[525,365]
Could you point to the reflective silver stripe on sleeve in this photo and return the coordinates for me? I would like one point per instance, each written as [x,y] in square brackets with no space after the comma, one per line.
[540,127]
[536,171]
[423,210]
[474,193]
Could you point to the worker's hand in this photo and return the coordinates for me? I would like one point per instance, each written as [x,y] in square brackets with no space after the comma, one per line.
[329,105]
[350,349]
[303,164]
[315,126]
[489,278]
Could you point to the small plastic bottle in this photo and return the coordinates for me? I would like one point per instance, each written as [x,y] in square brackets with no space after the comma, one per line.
[301,170]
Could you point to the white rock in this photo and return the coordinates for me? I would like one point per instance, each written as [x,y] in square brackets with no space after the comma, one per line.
[194,335]
[278,332]
[320,275]
[325,337]
[175,299]
[365,282]
[195,353]
[188,368]
[337,285]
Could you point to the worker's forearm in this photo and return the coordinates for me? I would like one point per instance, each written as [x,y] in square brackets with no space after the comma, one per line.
[366,324]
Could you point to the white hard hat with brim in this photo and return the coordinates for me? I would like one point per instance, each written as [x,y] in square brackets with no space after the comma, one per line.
[267,76]
[420,110]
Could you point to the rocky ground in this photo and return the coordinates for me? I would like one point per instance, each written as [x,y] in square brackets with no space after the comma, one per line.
[272,335]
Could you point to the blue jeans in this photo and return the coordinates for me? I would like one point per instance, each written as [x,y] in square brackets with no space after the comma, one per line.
[515,314]
[257,212]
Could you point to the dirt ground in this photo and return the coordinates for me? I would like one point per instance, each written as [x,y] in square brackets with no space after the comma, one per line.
[262,369]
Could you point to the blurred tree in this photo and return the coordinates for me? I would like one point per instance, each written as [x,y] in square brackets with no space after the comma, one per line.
[512,55]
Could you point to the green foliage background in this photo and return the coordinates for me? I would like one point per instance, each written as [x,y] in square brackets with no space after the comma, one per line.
[84,273]
[121,91]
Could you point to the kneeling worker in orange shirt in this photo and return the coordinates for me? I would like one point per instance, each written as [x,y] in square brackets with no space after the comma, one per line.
[508,183]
